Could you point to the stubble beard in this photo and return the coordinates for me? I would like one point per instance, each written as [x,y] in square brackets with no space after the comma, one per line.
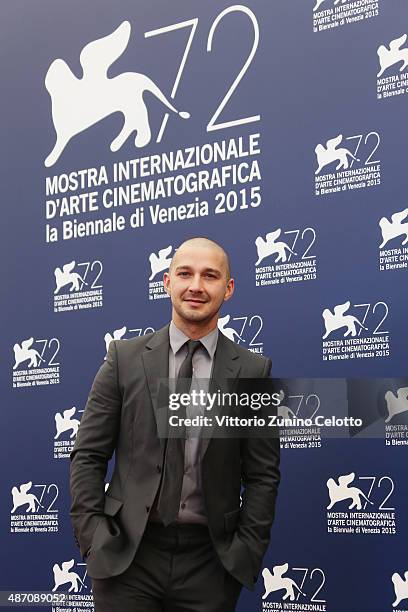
[193,317]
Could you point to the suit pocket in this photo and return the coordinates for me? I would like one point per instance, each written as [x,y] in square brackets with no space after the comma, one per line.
[107,528]
[231,520]
[112,505]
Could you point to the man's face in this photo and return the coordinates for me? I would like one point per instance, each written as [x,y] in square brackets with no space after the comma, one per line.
[197,283]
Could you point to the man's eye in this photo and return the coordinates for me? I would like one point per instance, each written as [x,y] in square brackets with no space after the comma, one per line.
[183,273]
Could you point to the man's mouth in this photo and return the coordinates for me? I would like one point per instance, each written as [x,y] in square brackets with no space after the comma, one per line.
[193,301]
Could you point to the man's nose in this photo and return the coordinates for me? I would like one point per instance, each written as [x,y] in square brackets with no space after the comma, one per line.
[195,283]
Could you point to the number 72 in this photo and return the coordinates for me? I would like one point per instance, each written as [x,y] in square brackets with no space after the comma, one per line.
[192,24]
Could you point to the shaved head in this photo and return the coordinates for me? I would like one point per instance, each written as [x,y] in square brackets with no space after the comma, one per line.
[202,242]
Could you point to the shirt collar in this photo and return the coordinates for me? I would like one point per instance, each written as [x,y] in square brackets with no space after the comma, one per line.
[178,338]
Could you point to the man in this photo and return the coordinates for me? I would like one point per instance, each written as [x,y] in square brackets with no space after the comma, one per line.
[165,536]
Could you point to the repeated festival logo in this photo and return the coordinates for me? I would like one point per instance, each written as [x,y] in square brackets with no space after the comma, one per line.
[159,262]
[34,508]
[72,577]
[286,256]
[392,77]
[125,333]
[400,584]
[35,362]
[243,329]
[66,429]
[78,286]
[347,163]
[355,331]
[361,505]
[332,14]
[396,416]
[393,254]
[290,588]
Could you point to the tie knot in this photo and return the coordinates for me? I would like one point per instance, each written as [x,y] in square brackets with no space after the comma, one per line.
[192,346]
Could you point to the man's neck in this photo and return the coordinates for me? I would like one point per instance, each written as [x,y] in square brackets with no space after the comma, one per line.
[195,331]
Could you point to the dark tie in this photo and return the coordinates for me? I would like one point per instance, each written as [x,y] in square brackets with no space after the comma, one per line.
[168,503]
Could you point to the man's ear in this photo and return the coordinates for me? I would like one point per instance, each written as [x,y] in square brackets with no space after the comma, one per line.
[166,282]
[229,289]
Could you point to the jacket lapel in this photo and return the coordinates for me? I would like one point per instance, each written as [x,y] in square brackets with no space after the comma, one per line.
[156,364]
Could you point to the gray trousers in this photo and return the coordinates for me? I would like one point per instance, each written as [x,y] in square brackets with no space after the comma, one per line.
[175,569]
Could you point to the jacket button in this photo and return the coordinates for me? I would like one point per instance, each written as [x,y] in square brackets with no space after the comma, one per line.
[147,508]
[159,468]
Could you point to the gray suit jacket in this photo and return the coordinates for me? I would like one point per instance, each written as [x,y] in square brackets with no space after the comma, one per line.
[121,416]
